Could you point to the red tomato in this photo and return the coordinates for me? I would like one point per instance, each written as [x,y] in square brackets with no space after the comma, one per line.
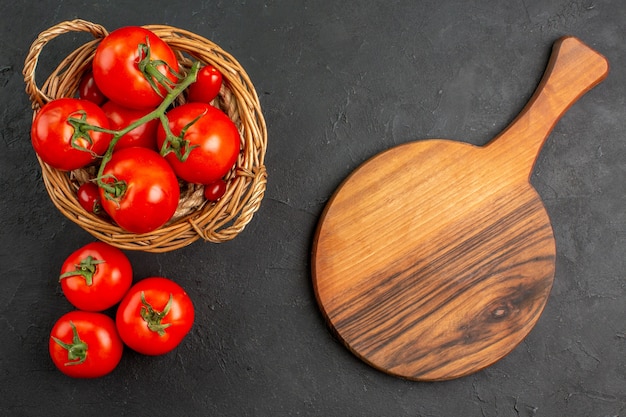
[207,85]
[85,344]
[51,134]
[88,90]
[89,198]
[213,138]
[151,194]
[154,316]
[215,190]
[121,117]
[117,72]
[96,276]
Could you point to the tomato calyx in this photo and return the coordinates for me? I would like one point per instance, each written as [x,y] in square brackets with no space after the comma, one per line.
[149,69]
[153,318]
[76,351]
[114,189]
[78,121]
[178,145]
[86,268]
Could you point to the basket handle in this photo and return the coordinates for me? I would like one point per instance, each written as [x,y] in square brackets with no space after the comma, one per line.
[38,97]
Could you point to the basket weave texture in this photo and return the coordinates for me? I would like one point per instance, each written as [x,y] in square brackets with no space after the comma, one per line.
[195,217]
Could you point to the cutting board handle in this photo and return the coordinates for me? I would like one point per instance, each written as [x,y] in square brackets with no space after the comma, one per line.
[573,69]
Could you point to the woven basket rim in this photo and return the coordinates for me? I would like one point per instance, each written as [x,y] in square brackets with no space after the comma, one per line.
[214,222]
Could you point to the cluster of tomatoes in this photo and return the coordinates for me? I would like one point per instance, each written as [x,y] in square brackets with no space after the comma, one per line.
[126,122]
[152,316]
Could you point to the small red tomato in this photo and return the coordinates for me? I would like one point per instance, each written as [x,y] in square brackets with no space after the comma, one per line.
[53,138]
[88,90]
[96,276]
[155,316]
[213,142]
[85,344]
[89,198]
[207,85]
[120,117]
[149,191]
[215,190]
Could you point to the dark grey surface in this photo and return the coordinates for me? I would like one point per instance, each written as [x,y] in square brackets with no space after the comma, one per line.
[338,83]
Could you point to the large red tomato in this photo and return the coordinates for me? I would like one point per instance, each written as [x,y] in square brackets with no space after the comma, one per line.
[96,276]
[116,67]
[150,192]
[154,316]
[85,344]
[54,139]
[213,141]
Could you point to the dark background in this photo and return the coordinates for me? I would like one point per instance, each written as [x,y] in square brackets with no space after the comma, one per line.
[338,82]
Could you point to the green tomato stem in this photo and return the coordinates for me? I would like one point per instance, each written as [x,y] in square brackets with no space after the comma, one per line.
[86,268]
[153,318]
[116,189]
[149,68]
[177,144]
[76,351]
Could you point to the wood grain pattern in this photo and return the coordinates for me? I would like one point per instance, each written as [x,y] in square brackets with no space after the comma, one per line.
[434,259]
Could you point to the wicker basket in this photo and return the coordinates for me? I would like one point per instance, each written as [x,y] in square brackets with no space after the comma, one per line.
[195,218]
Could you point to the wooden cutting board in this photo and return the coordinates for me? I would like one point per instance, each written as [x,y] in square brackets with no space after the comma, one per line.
[434,259]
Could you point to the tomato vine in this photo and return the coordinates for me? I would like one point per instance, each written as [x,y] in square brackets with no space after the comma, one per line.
[115,189]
